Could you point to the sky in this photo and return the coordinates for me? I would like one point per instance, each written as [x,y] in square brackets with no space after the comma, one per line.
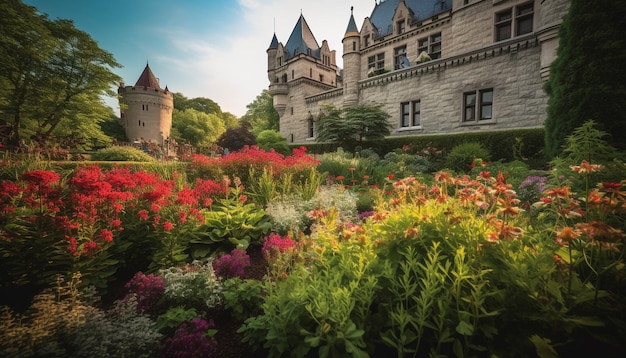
[203,48]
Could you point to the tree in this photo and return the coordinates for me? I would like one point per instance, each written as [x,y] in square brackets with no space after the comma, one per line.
[262,114]
[352,125]
[196,128]
[56,75]
[588,77]
[269,139]
[236,138]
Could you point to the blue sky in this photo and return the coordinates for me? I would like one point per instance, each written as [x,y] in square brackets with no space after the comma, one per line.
[203,48]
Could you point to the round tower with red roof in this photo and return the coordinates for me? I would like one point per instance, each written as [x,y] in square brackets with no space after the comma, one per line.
[146,109]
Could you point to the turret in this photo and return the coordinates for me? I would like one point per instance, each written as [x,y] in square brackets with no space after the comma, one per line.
[351,62]
[148,109]
[271,58]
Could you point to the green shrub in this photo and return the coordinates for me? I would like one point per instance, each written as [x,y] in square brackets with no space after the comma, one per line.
[462,156]
[122,154]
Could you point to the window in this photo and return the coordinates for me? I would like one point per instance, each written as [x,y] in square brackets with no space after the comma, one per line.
[431,45]
[398,54]
[514,22]
[311,127]
[410,113]
[376,62]
[321,78]
[366,41]
[478,105]
[400,26]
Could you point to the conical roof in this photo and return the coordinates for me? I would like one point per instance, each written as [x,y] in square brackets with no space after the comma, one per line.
[147,79]
[302,40]
[352,30]
[274,43]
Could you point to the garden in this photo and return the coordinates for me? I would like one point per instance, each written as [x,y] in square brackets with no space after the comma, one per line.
[418,252]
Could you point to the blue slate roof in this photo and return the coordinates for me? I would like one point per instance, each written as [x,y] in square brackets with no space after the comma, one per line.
[382,15]
[274,43]
[302,41]
[352,24]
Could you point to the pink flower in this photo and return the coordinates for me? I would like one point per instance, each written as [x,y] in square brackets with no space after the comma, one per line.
[167,226]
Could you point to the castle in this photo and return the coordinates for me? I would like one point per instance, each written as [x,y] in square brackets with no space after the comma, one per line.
[146,109]
[435,66]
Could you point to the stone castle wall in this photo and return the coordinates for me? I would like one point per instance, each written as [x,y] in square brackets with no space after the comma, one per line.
[148,114]
[516,70]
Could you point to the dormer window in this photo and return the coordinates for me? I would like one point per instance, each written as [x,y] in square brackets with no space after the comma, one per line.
[400,25]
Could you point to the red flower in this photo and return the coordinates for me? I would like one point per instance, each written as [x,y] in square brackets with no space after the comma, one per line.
[143,214]
[390,176]
[243,198]
[40,177]
[106,235]
[167,226]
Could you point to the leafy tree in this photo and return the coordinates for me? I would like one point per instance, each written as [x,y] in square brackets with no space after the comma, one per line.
[52,74]
[200,104]
[587,80]
[352,125]
[236,138]
[114,129]
[196,128]
[269,139]
[262,114]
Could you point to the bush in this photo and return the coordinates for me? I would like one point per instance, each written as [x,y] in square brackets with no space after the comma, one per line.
[122,154]
[463,155]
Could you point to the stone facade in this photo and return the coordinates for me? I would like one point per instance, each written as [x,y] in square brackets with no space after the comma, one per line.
[488,62]
[146,109]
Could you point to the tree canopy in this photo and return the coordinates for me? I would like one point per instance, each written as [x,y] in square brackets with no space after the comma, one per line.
[196,128]
[588,77]
[261,113]
[352,125]
[52,77]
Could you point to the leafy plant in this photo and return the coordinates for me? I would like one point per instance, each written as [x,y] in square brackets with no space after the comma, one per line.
[233,221]
[171,319]
[122,154]
[463,155]
[192,286]
[242,298]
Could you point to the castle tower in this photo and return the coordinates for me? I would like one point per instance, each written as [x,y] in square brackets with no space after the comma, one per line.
[146,109]
[351,63]
[278,90]
[297,70]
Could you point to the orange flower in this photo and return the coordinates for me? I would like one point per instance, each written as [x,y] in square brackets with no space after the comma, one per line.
[568,234]
[585,167]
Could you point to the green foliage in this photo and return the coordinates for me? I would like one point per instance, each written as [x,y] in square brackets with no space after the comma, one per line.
[193,286]
[242,298]
[231,221]
[271,139]
[122,154]
[351,126]
[119,331]
[588,143]
[261,113]
[113,128]
[47,326]
[197,128]
[169,321]
[53,76]
[462,156]
[583,82]
[236,138]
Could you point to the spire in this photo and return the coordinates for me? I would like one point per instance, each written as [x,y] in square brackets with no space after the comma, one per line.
[274,43]
[352,30]
[301,40]
[147,79]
